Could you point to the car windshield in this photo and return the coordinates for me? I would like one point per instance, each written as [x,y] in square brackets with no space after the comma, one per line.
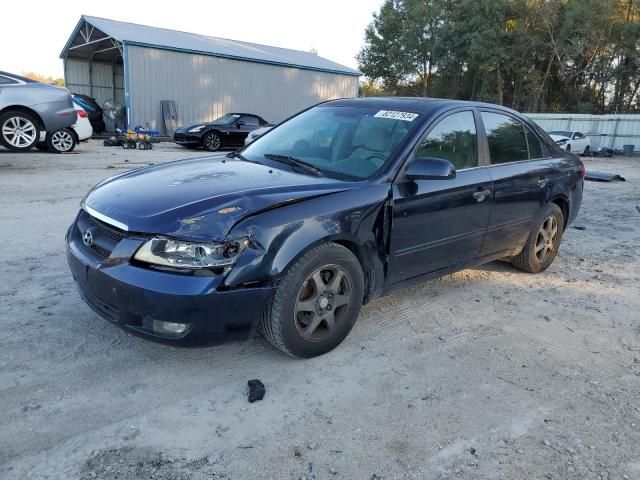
[227,119]
[349,143]
[561,133]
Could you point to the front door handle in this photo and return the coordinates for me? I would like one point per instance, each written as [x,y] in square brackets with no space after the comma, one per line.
[480,195]
[542,181]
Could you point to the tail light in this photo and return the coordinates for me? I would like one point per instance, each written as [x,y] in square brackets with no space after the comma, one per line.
[82,114]
[582,171]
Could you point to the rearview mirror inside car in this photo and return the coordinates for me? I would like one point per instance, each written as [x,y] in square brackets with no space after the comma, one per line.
[430,168]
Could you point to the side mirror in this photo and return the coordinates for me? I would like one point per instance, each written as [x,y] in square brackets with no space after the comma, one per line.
[430,168]
[240,123]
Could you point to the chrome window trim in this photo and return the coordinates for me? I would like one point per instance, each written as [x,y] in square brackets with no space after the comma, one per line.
[104,218]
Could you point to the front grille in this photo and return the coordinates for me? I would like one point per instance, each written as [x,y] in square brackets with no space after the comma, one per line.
[105,237]
[103,252]
[106,231]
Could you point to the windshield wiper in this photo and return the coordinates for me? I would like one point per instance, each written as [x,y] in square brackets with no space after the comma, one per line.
[295,162]
[241,157]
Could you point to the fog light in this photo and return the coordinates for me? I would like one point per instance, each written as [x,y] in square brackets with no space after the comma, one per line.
[169,327]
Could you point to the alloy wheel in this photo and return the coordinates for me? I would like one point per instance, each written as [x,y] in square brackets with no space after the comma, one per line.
[213,141]
[322,302]
[19,132]
[547,238]
[62,140]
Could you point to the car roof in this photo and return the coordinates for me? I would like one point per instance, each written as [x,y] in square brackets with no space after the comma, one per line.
[414,104]
[18,77]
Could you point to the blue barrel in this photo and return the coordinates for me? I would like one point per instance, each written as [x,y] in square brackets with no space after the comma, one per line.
[627,150]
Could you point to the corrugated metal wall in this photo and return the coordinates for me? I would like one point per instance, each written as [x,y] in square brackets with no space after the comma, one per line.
[102,78]
[206,87]
[610,131]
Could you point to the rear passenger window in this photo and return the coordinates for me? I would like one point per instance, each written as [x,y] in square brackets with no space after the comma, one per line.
[535,147]
[6,81]
[506,138]
[453,139]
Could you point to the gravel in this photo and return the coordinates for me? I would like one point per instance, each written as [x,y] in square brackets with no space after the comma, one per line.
[81,399]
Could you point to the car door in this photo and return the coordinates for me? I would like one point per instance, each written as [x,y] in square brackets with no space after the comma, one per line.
[521,170]
[441,223]
[579,142]
[244,125]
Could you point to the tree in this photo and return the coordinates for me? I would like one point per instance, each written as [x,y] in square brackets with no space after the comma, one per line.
[401,42]
[533,55]
[44,78]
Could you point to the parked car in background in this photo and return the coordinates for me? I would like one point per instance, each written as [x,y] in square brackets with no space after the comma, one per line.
[230,130]
[570,141]
[93,109]
[339,205]
[254,135]
[28,109]
[66,139]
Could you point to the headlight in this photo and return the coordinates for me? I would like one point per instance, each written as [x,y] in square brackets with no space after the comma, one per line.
[179,254]
[196,129]
[561,142]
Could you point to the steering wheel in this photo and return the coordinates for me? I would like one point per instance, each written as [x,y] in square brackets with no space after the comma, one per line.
[377,159]
[301,146]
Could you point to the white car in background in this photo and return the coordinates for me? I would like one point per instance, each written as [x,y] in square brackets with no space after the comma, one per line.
[257,133]
[571,141]
[66,139]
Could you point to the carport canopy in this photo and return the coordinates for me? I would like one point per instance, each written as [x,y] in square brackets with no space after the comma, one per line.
[90,43]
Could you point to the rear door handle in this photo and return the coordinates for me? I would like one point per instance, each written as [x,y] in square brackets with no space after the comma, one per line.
[480,195]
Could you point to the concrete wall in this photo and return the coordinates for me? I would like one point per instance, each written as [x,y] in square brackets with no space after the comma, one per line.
[610,131]
[206,87]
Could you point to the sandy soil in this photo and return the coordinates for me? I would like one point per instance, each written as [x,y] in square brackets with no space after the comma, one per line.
[486,374]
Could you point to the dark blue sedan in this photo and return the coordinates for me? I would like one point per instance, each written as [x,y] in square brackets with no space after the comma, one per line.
[335,207]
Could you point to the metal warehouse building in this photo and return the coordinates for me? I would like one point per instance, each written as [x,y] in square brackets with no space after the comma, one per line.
[139,66]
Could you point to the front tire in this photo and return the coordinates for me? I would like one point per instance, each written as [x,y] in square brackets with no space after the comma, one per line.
[61,141]
[211,142]
[317,302]
[543,242]
[19,131]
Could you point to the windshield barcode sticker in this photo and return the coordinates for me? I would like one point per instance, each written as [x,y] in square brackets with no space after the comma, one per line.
[406,116]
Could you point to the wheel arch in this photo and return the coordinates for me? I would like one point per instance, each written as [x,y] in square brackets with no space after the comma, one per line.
[351,244]
[563,202]
[27,110]
[212,130]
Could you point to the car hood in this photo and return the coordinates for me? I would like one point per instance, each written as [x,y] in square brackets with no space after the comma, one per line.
[557,138]
[201,198]
[186,128]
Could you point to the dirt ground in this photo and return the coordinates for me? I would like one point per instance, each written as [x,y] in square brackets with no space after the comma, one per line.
[490,373]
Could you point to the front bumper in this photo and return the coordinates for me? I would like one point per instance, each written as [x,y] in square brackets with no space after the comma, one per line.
[132,297]
[187,139]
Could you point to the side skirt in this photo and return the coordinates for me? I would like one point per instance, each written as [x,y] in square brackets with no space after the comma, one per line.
[388,289]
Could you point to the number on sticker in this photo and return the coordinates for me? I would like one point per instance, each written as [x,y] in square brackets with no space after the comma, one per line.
[406,116]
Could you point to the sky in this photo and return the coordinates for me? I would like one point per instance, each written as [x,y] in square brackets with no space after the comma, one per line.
[335,28]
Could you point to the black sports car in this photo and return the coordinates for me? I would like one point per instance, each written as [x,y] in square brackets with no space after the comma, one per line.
[230,130]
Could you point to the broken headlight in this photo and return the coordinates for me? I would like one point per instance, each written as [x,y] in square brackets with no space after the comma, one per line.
[181,254]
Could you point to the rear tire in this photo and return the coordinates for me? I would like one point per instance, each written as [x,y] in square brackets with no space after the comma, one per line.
[61,141]
[316,303]
[587,151]
[19,131]
[543,242]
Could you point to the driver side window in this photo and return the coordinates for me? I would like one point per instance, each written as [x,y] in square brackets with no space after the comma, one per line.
[454,138]
[250,121]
